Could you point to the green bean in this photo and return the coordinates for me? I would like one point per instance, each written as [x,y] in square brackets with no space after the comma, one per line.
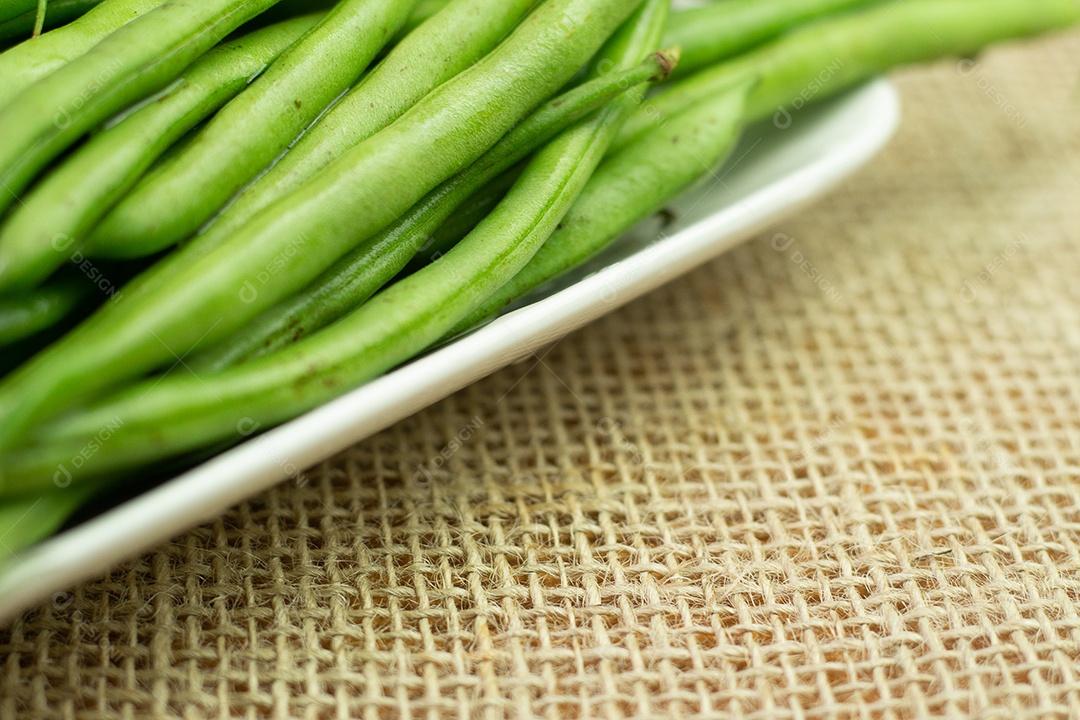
[433,54]
[715,32]
[392,327]
[135,61]
[424,11]
[26,521]
[829,56]
[170,204]
[14,8]
[275,255]
[630,185]
[25,315]
[286,10]
[28,62]
[462,221]
[64,206]
[361,272]
[439,50]
[60,12]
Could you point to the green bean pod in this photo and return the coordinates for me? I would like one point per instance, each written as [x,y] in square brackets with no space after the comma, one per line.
[60,210]
[369,266]
[424,11]
[29,61]
[14,8]
[822,59]
[26,314]
[427,58]
[171,203]
[629,186]
[721,30]
[37,318]
[59,12]
[462,221]
[137,60]
[441,48]
[26,521]
[395,325]
[290,243]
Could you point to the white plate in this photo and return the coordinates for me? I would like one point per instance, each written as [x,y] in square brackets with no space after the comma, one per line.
[774,173]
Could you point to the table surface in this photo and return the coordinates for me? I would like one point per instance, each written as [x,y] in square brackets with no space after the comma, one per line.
[837,479]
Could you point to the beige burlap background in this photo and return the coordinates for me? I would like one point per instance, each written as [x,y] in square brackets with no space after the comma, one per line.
[740,497]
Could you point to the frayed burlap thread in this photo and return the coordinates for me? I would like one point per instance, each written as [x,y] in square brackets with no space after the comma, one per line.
[745,496]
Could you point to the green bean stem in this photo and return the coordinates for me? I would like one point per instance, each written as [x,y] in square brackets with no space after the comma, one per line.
[832,55]
[365,269]
[630,185]
[137,60]
[39,18]
[437,51]
[60,210]
[388,330]
[290,243]
[29,61]
[171,203]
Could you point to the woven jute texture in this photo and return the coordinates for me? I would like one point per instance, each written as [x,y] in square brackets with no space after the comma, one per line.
[770,490]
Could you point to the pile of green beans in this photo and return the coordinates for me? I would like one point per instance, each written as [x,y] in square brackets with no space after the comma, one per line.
[66,204]
[136,60]
[310,221]
[291,242]
[437,51]
[368,267]
[399,322]
[28,62]
[174,201]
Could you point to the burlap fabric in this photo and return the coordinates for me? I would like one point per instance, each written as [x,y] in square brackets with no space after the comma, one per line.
[742,497]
